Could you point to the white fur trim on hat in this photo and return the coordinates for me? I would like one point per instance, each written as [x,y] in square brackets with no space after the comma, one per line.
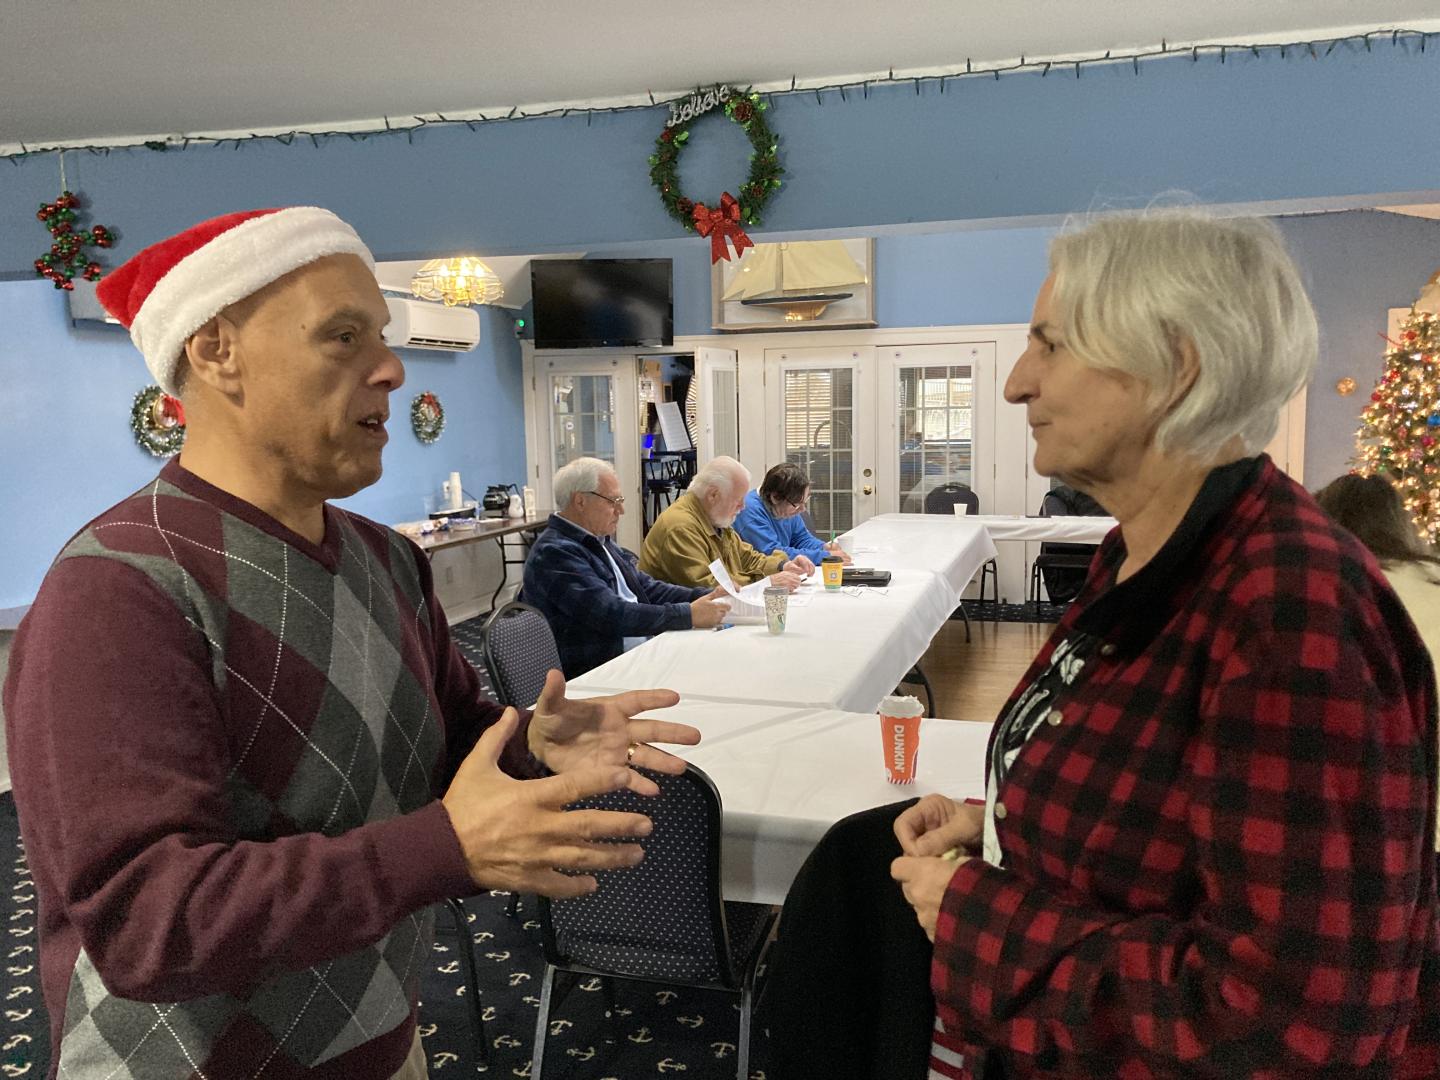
[232,266]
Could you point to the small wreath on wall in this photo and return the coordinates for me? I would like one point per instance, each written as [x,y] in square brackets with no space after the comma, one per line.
[747,110]
[427,417]
[158,421]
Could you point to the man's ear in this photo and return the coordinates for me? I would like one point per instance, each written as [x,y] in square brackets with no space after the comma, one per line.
[212,355]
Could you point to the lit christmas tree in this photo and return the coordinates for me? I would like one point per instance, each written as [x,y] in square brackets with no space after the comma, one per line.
[1399,437]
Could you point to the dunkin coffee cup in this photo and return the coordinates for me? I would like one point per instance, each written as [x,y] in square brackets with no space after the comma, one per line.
[777,603]
[900,737]
[832,571]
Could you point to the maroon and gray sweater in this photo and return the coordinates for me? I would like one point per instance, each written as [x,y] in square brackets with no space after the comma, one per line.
[228,745]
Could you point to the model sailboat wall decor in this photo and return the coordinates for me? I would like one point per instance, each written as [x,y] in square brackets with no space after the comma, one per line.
[794,285]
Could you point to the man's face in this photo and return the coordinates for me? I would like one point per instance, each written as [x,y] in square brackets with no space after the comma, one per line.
[316,377]
[599,513]
[725,503]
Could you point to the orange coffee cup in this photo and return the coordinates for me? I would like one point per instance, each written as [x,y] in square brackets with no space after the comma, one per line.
[900,737]
[832,571]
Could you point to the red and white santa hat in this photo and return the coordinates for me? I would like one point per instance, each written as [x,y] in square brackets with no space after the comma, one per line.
[173,288]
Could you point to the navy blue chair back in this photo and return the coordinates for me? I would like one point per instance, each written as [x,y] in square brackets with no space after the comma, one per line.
[663,919]
[519,650]
[943,499]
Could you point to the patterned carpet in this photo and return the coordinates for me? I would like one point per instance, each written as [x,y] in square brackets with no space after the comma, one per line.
[654,1031]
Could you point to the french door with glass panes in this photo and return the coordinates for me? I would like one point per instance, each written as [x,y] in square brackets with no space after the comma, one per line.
[590,404]
[714,395]
[933,433]
[824,400]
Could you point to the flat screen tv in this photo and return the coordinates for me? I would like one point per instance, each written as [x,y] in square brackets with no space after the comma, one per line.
[601,303]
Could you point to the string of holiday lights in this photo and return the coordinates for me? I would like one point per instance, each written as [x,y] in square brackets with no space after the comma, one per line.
[1399,437]
[1319,49]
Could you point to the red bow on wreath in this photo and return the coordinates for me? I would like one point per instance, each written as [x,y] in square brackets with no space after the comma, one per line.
[719,224]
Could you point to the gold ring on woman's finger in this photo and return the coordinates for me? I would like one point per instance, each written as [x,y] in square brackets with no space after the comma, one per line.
[630,754]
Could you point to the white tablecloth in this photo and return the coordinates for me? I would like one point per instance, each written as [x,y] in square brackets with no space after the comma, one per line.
[786,775]
[922,542]
[1076,530]
[840,650]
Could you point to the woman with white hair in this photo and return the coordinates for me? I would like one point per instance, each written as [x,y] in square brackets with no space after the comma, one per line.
[1204,845]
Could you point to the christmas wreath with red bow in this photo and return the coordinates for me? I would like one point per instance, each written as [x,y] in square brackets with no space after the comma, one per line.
[157,421]
[724,219]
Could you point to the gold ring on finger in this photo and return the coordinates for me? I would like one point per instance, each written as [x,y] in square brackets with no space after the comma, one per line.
[630,754]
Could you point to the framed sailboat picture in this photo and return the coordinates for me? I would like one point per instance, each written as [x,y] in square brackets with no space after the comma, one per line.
[803,285]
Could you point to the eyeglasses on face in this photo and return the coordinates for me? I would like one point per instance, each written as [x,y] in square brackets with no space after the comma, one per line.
[616,501]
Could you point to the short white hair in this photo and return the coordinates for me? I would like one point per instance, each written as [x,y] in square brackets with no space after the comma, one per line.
[582,474]
[720,474]
[1129,288]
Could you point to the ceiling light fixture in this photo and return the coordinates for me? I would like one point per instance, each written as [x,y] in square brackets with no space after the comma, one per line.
[463,280]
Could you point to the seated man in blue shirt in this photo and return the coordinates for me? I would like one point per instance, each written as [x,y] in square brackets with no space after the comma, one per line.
[772,521]
[597,601]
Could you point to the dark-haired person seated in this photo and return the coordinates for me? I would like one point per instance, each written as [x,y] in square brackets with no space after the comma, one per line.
[597,601]
[1206,848]
[773,517]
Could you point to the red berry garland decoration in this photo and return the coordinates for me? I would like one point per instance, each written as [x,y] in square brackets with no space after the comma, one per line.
[67,256]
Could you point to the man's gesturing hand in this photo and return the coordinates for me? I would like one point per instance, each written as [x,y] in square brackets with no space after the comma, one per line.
[584,733]
[516,833]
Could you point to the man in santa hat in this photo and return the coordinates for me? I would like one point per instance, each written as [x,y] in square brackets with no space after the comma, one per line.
[247,757]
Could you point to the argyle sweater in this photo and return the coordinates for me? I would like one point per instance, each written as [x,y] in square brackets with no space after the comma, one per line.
[1217,845]
[228,745]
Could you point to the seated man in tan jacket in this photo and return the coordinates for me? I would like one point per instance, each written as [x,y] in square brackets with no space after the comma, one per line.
[695,530]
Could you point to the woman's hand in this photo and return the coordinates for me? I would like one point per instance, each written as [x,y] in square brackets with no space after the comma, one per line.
[924,881]
[936,824]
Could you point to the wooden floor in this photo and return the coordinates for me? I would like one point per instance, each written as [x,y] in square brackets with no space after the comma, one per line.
[972,681]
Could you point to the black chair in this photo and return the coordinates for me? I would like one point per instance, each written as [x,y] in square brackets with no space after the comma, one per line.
[519,651]
[664,921]
[465,944]
[1062,566]
[663,484]
[943,500]
[917,675]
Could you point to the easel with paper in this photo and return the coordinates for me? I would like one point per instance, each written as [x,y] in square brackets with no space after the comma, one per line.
[747,605]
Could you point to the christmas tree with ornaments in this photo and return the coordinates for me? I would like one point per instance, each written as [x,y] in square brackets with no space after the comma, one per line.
[1399,437]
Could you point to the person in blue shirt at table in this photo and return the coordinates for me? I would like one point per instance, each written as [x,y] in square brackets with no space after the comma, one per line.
[773,520]
[597,601]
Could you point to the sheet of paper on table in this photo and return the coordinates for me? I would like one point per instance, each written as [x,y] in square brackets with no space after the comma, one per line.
[747,605]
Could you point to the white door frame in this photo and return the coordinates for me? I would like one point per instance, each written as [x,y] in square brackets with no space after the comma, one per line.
[708,360]
[980,355]
[621,366]
[861,360]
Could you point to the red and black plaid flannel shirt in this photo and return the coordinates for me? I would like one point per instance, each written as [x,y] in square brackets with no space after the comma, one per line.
[1220,861]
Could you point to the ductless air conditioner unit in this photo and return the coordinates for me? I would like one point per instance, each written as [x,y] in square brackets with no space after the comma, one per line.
[417,324]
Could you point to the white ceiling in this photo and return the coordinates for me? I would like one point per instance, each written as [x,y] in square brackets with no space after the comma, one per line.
[98,70]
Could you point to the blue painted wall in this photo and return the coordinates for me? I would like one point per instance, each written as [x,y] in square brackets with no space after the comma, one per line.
[1021,150]
[1357,266]
[1249,129]
[66,451]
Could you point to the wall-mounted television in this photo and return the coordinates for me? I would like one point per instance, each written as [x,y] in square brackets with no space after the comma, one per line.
[601,303]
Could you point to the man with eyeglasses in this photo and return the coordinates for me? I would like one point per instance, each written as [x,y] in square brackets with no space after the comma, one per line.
[698,528]
[597,601]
